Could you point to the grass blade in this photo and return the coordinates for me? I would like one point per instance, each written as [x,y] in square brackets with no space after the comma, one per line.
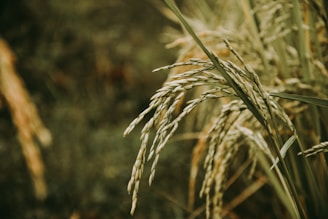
[277,183]
[284,149]
[302,98]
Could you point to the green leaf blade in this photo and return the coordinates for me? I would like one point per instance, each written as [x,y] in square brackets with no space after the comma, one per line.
[306,99]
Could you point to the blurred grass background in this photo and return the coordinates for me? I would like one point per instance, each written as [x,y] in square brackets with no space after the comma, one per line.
[87,66]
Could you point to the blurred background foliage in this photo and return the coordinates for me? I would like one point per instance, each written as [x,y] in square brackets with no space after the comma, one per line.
[87,67]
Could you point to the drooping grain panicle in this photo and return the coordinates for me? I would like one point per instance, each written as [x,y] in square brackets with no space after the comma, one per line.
[164,104]
[219,154]
[316,149]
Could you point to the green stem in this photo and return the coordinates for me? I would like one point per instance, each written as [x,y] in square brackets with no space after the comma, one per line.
[304,52]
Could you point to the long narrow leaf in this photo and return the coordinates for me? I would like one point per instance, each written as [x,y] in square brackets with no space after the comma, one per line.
[278,183]
[302,98]
[284,149]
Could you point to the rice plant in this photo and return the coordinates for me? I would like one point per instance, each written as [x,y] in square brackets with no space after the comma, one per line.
[251,76]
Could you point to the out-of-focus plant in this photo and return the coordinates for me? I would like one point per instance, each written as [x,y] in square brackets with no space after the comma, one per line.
[25,117]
